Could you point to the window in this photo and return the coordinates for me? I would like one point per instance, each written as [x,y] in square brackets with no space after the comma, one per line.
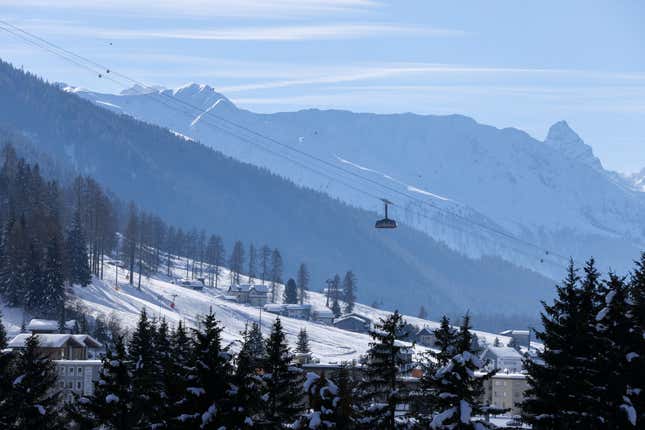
[61,384]
[61,370]
[79,385]
[79,371]
[70,371]
[70,385]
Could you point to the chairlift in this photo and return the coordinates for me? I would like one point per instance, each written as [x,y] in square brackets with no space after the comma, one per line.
[385,222]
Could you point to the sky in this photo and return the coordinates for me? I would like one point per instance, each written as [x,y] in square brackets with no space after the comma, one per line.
[504,63]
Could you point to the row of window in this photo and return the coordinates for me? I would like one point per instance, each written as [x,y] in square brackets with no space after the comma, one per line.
[70,385]
[70,371]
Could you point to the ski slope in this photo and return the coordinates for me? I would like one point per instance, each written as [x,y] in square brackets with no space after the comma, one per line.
[328,344]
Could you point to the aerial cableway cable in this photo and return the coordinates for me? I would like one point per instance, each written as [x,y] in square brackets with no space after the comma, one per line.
[233,129]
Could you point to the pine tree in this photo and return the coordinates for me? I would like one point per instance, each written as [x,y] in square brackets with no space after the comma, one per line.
[302,282]
[284,382]
[380,389]
[236,262]
[252,273]
[345,408]
[111,404]
[35,279]
[444,347]
[179,372]
[13,277]
[78,269]
[145,372]
[290,294]
[256,346]
[323,400]
[100,331]
[165,361]
[276,272]
[32,404]
[208,400]
[423,313]
[349,291]
[6,379]
[561,390]
[457,391]
[335,307]
[615,338]
[302,347]
[54,279]
[246,388]
[636,314]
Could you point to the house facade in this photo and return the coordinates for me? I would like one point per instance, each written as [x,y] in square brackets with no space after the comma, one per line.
[76,377]
[322,316]
[506,390]
[251,294]
[504,358]
[426,337]
[520,337]
[353,322]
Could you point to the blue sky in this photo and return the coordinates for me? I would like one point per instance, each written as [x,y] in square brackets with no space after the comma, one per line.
[505,63]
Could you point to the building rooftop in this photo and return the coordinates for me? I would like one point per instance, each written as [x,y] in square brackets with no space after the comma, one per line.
[55,340]
[48,325]
[503,351]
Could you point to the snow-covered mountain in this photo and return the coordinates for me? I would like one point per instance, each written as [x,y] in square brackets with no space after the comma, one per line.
[638,180]
[452,175]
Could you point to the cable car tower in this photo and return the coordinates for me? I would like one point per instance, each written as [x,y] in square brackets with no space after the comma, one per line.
[385,222]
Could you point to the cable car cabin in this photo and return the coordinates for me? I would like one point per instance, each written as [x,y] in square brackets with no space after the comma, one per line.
[385,223]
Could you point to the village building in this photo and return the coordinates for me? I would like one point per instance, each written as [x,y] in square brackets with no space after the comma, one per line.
[302,312]
[506,391]
[426,337]
[504,358]
[353,322]
[251,294]
[322,316]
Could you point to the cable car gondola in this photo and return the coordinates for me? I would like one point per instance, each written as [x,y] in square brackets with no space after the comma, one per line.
[385,222]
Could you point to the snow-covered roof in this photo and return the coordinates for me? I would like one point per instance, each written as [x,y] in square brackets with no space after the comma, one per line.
[425,331]
[514,332]
[273,307]
[353,316]
[45,340]
[243,288]
[88,340]
[295,307]
[503,352]
[48,325]
[327,313]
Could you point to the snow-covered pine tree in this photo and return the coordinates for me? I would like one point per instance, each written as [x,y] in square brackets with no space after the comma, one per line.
[256,345]
[246,388]
[615,336]
[303,282]
[290,294]
[424,399]
[35,279]
[323,400]
[78,268]
[13,280]
[180,368]
[54,279]
[145,370]
[165,361]
[636,314]
[110,406]
[284,381]
[5,378]
[458,391]
[302,345]
[32,403]
[561,390]
[346,413]
[380,390]
[335,307]
[349,291]
[208,402]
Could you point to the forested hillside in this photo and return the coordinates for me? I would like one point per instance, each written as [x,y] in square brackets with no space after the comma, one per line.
[190,185]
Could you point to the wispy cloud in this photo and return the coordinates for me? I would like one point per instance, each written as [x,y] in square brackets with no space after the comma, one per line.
[245,33]
[207,8]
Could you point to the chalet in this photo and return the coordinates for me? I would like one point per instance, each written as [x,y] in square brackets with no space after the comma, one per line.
[193,284]
[57,346]
[353,322]
[251,294]
[322,316]
[301,312]
[39,326]
[503,358]
[426,337]
[520,337]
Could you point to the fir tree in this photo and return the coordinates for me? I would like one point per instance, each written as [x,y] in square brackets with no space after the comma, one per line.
[284,382]
[636,313]
[78,269]
[335,307]
[178,375]
[5,378]
[32,403]
[349,291]
[323,400]
[53,297]
[145,372]
[561,390]
[256,346]
[444,348]
[276,272]
[423,313]
[302,347]
[457,391]
[380,389]
[290,295]
[111,404]
[302,282]
[345,408]
[208,401]
[246,388]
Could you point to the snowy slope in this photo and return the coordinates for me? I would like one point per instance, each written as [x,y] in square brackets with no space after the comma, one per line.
[553,193]
[328,344]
